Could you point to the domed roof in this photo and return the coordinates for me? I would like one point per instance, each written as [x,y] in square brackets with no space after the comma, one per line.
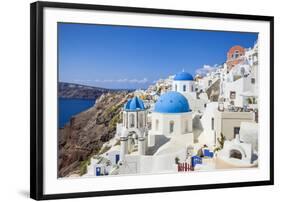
[183,76]
[172,102]
[134,104]
[234,49]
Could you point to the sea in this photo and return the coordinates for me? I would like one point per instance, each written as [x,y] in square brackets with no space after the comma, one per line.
[69,107]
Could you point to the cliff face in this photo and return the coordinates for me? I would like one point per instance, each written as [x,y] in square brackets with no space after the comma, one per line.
[70,90]
[87,132]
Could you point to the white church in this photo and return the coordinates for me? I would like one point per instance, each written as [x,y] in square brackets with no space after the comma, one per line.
[144,150]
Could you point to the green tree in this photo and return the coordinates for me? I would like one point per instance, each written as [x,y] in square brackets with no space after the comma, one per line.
[177,160]
[221,141]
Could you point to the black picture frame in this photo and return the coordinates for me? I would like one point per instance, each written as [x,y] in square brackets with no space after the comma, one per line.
[36,98]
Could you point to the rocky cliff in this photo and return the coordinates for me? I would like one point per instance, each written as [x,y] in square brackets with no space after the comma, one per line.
[87,131]
[71,90]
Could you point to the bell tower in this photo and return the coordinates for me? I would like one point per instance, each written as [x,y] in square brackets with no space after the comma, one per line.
[134,128]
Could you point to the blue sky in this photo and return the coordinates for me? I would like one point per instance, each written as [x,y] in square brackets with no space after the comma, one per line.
[135,57]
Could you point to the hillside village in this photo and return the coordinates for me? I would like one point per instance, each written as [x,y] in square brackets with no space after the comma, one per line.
[188,123]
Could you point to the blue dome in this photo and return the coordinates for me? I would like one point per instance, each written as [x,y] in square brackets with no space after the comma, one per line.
[172,102]
[183,76]
[134,104]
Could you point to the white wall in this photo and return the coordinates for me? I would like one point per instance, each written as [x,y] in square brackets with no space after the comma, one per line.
[14,102]
[226,121]
[181,121]
[239,86]
[178,86]
[194,103]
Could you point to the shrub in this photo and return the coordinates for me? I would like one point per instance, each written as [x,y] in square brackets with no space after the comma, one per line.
[221,141]
[114,121]
[117,143]
[104,149]
[177,160]
[84,166]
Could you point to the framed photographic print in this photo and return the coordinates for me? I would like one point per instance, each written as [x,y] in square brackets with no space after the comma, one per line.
[137,100]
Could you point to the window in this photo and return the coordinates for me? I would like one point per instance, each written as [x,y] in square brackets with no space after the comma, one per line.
[253,80]
[242,71]
[235,154]
[213,123]
[236,54]
[184,88]
[236,131]
[186,126]
[132,120]
[157,124]
[149,125]
[141,120]
[172,124]
[232,94]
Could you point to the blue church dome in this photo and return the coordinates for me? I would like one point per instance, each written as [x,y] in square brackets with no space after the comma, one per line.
[172,102]
[183,76]
[134,104]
